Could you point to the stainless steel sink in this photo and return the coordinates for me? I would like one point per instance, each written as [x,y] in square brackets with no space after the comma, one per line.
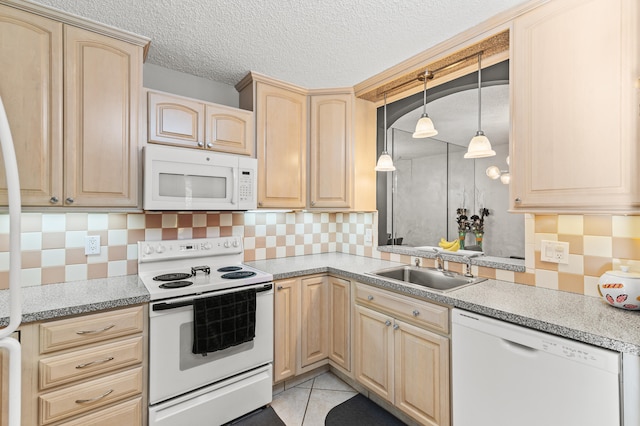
[430,278]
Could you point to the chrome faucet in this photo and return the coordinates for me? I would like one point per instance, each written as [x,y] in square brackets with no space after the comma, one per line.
[467,272]
[439,261]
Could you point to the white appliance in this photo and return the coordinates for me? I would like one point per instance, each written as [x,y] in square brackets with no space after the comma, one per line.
[15,269]
[190,179]
[506,375]
[187,388]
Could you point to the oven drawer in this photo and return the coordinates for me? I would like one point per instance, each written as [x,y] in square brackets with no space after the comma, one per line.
[416,311]
[82,364]
[126,413]
[73,400]
[68,333]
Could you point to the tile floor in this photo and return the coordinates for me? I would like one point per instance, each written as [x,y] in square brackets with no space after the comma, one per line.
[308,403]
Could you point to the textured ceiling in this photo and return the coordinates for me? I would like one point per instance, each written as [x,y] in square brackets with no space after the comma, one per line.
[311,43]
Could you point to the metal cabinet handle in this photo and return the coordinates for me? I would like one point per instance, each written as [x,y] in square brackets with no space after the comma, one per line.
[109,327]
[416,312]
[313,203]
[279,287]
[54,199]
[97,398]
[369,297]
[387,323]
[96,362]
[200,144]
[396,326]
[69,200]
[209,145]
[518,200]
[260,204]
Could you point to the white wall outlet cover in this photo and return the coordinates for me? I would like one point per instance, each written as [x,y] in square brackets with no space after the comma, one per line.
[92,244]
[368,236]
[554,251]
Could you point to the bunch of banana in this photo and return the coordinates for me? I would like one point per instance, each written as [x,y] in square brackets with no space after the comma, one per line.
[449,245]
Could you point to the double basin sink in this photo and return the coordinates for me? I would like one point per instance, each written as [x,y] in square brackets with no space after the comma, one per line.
[432,279]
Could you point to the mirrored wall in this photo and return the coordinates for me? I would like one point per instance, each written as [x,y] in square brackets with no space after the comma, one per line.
[420,202]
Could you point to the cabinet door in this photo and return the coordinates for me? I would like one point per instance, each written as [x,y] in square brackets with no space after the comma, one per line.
[331,151]
[374,351]
[229,130]
[340,322]
[31,91]
[285,331]
[314,337]
[575,141]
[421,374]
[175,120]
[103,81]
[281,138]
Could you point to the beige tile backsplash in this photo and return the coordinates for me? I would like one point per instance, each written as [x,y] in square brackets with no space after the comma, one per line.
[53,243]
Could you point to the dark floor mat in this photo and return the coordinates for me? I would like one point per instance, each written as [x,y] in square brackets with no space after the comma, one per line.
[360,410]
[262,417]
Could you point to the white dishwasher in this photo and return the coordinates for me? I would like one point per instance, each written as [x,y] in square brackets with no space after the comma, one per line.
[508,375]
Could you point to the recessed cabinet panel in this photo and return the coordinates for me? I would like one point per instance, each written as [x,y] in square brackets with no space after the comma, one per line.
[31,90]
[175,121]
[314,337]
[331,151]
[229,130]
[281,117]
[574,141]
[340,322]
[285,328]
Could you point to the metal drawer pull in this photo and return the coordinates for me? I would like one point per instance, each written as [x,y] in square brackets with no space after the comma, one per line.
[396,326]
[387,323]
[279,287]
[109,327]
[96,362]
[416,312]
[97,398]
[369,297]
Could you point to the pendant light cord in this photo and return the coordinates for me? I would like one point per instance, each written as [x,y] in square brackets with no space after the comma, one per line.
[385,122]
[425,93]
[480,92]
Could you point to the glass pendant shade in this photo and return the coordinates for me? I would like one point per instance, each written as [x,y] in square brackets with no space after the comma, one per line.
[385,163]
[505,178]
[479,147]
[493,172]
[424,127]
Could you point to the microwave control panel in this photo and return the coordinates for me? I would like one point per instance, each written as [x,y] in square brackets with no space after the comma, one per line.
[246,185]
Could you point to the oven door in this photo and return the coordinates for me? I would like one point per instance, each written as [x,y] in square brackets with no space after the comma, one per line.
[183,179]
[175,370]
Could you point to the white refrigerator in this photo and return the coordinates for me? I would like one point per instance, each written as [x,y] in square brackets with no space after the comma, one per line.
[7,342]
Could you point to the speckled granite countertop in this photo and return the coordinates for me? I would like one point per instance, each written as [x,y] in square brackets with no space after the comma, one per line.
[77,297]
[583,318]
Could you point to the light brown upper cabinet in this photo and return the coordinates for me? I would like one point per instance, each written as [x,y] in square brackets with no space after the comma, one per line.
[574,75]
[179,121]
[72,99]
[328,129]
[331,151]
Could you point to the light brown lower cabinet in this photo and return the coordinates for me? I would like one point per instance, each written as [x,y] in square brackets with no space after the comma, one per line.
[312,320]
[86,370]
[398,357]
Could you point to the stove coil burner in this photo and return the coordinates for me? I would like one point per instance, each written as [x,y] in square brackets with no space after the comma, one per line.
[238,275]
[176,284]
[172,277]
[230,269]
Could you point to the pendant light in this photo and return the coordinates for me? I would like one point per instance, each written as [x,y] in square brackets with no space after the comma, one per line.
[479,147]
[424,126]
[385,162]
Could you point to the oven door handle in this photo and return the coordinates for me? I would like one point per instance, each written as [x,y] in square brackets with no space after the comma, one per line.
[163,306]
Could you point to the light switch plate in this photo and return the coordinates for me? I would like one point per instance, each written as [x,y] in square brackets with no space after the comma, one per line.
[554,251]
[368,236]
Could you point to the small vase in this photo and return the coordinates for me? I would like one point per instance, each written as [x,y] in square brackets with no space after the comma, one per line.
[461,237]
[479,239]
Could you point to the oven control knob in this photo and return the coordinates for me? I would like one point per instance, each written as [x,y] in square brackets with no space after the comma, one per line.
[160,248]
[227,244]
[207,246]
[148,250]
[236,243]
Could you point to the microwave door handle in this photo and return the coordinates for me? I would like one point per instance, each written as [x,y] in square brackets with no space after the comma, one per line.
[233,185]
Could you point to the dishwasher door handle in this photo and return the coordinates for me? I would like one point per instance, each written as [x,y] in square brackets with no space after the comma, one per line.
[519,348]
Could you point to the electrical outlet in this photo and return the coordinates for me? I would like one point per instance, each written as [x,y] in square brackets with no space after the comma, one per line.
[368,236]
[92,244]
[554,251]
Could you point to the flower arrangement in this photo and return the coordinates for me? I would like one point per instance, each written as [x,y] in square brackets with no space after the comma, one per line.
[473,224]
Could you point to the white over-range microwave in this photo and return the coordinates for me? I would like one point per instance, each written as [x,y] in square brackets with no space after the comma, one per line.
[190,179]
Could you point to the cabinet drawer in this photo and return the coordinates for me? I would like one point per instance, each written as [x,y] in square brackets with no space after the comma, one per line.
[78,399]
[126,413]
[61,369]
[419,312]
[68,333]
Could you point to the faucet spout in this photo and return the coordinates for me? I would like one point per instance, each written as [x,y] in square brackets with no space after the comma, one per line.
[439,261]
[467,272]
